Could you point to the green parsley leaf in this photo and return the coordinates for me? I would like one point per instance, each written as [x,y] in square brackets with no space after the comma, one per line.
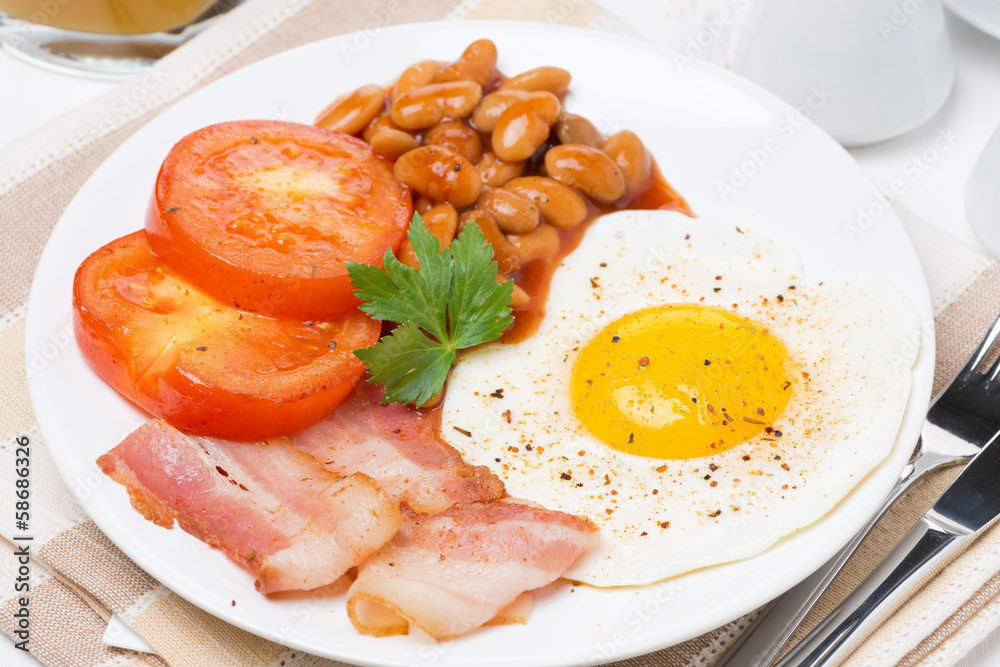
[452,302]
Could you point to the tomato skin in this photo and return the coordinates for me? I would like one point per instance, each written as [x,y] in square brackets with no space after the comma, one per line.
[204,367]
[264,214]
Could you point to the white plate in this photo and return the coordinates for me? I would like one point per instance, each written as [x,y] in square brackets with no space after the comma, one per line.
[983,14]
[703,125]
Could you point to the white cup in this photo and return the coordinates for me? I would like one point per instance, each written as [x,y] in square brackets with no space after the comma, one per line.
[884,66]
[982,196]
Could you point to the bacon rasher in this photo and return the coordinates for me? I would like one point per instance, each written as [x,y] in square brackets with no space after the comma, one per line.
[401,449]
[451,572]
[269,506]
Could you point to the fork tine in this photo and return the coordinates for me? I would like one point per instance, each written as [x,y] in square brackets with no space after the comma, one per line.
[977,358]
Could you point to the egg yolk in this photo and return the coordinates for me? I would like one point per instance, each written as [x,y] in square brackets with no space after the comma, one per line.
[680,381]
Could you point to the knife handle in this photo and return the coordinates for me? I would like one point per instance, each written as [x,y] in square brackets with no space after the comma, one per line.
[921,554]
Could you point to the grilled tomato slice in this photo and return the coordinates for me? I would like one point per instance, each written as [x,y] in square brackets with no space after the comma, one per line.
[206,367]
[263,215]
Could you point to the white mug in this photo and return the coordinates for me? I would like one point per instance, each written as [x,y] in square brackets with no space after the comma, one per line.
[883,67]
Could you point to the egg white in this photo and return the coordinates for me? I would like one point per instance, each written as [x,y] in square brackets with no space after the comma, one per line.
[853,344]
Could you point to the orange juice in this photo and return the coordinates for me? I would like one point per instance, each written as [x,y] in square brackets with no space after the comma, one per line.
[109,17]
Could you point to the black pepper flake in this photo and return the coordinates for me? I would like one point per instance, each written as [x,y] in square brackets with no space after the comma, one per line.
[593,283]
[615,339]
[467,434]
[716,289]
[565,475]
[768,430]
[603,264]
[497,460]
[579,484]
[326,463]
[392,565]
[457,167]
[715,513]
[332,345]
[201,348]
[746,457]
[664,524]
[708,363]
[528,447]
[497,394]
[713,467]
[631,438]
[694,399]
[780,298]
[397,430]
[778,434]
[791,287]
[254,140]
[707,477]
[787,384]
[308,323]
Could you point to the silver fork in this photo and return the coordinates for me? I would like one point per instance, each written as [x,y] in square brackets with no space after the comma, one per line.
[960,421]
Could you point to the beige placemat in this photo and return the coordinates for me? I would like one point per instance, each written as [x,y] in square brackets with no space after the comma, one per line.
[79,579]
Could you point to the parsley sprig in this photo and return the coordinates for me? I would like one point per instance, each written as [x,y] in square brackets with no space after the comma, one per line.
[452,302]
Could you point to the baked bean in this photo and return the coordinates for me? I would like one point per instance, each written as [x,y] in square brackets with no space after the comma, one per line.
[416,76]
[560,205]
[440,174]
[392,143]
[628,152]
[514,213]
[475,64]
[407,256]
[587,169]
[524,126]
[423,204]
[379,123]
[574,129]
[552,79]
[495,172]
[429,105]
[503,251]
[352,112]
[458,137]
[542,243]
[442,221]
[518,297]
[492,106]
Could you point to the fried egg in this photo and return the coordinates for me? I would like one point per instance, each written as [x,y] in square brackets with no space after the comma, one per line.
[690,391]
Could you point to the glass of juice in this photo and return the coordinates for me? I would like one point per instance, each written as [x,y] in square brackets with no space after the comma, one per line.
[109,39]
